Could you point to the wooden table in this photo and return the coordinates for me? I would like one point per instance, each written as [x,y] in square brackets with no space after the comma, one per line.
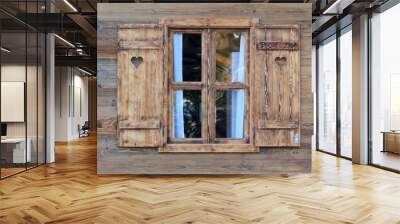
[391,141]
[13,150]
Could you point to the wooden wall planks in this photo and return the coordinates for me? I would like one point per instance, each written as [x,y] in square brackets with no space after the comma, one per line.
[115,160]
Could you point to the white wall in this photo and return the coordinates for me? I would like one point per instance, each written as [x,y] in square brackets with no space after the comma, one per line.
[12,73]
[62,81]
[79,117]
[17,73]
[33,126]
[70,83]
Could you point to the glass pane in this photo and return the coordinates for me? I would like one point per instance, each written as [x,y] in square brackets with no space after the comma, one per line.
[186,57]
[346,94]
[327,96]
[230,56]
[385,89]
[31,100]
[186,114]
[229,113]
[15,150]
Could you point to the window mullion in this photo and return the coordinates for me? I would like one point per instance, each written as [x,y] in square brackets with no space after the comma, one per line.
[211,87]
[205,82]
[226,85]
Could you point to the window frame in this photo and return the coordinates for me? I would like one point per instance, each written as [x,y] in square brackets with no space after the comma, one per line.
[208,86]
[172,86]
[336,36]
[215,85]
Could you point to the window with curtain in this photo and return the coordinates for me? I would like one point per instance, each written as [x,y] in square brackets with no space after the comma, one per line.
[346,92]
[187,102]
[208,85]
[327,95]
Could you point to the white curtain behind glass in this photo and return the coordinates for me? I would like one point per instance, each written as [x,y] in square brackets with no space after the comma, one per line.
[178,122]
[346,94]
[327,96]
[236,97]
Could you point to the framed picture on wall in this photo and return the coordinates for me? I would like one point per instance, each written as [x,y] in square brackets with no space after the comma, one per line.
[12,101]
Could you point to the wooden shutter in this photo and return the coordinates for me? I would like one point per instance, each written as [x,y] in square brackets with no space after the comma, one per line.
[276,88]
[140,85]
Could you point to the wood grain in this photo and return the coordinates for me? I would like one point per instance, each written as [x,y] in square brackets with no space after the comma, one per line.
[113,159]
[200,148]
[209,22]
[276,90]
[70,191]
[145,124]
[140,88]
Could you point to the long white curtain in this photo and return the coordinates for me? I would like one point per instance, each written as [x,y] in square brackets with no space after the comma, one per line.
[236,97]
[178,122]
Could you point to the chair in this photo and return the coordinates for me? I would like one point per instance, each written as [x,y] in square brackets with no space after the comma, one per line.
[84,130]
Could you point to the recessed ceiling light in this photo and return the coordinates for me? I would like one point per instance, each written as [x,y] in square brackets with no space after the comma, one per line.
[64,40]
[338,6]
[84,71]
[70,5]
[5,50]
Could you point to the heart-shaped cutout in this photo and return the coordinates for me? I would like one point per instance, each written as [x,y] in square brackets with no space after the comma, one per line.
[136,61]
[281,61]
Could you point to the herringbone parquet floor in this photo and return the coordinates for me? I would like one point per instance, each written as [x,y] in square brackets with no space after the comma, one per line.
[69,191]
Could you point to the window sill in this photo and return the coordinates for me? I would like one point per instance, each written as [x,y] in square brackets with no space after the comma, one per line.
[201,148]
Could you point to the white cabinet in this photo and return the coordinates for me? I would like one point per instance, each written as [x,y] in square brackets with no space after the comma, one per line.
[19,155]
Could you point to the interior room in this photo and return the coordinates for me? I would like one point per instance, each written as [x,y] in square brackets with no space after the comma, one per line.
[159,111]
[22,99]
[72,104]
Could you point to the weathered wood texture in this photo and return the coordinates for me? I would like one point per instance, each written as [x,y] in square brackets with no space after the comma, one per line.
[209,22]
[276,89]
[140,85]
[114,159]
[201,148]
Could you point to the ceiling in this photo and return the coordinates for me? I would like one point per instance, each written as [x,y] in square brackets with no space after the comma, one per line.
[75,21]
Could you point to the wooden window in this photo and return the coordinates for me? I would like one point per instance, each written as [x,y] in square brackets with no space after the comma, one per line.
[208,75]
[208,85]
[187,92]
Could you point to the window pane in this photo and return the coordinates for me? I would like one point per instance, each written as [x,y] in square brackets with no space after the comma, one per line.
[31,100]
[346,94]
[385,88]
[186,114]
[229,114]
[186,57]
[17,153]
[230,56]
[327,96]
